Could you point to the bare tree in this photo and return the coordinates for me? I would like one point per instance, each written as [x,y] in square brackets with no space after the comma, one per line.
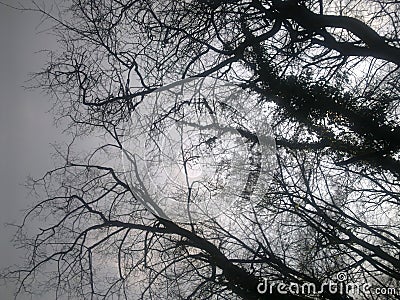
[179,88]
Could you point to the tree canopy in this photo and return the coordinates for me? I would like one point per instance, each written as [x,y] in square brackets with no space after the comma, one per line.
[277,120]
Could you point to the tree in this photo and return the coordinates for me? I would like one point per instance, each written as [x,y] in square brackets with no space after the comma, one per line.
[323,74]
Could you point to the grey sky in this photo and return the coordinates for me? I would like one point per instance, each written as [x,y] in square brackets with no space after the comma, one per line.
[25,128]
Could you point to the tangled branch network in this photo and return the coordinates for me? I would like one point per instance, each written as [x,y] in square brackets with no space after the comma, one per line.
[200,145]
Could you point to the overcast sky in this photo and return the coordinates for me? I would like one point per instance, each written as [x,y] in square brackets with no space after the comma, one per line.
[26,130]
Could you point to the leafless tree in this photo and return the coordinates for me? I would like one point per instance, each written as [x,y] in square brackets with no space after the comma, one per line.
[150,80]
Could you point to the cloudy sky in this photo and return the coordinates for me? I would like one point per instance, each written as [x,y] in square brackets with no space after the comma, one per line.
[26,130]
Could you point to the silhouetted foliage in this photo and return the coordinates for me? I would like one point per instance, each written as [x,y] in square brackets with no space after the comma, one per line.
[323,74]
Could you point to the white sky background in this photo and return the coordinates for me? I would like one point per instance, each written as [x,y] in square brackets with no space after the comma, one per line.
[26,130]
